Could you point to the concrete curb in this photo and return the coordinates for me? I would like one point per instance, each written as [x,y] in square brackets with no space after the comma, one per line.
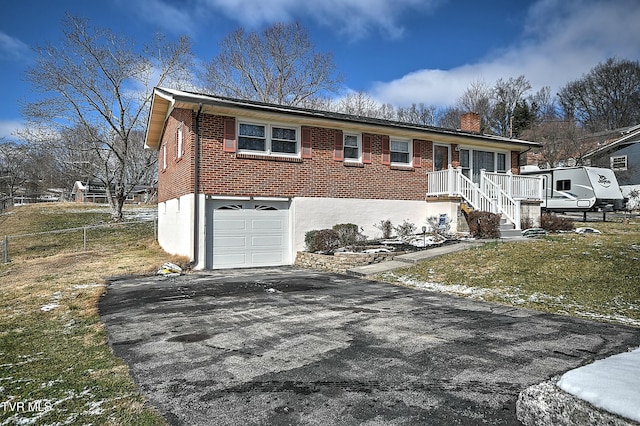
[546,404]
[406,260]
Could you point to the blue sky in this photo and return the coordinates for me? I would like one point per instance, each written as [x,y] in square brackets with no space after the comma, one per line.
[399,51]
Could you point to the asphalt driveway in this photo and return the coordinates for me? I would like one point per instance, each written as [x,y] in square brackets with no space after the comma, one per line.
[287,346]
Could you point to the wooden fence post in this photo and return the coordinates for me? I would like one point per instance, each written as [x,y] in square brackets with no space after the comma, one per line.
[5,250]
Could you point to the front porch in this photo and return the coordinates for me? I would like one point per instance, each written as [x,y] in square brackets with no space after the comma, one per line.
[516,198]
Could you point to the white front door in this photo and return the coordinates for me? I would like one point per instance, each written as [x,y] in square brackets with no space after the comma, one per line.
[247,234]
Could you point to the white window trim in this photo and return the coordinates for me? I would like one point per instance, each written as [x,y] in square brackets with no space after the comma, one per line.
[268,125]
[359,145]
[449,154]
[409,146]
[180,140]
[507,154]
[164,157]
[619,157]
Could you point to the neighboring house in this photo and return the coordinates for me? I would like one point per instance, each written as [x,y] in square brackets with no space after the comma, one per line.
[96,192]
[622,155]
[241,182]
[89,192]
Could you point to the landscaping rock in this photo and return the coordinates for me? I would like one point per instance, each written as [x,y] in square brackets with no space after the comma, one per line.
[546,404]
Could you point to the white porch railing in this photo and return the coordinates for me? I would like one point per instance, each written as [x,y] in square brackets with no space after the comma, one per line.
[517,186]
[498,193]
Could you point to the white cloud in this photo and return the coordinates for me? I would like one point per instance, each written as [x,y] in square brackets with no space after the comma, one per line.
[8,128]
[12,48]
[176,20]
[354,18]
[561,41]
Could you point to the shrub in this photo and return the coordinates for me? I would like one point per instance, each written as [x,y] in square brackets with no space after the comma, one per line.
[325,240]
[484,224]
[526,223]
[309,237]
[552,223]
[348,234]
[434,225]
[406,230]
[385,227]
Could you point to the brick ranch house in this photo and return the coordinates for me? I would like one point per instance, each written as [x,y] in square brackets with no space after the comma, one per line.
[241,182]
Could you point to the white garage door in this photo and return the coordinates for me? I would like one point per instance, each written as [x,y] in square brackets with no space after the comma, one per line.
[248,233]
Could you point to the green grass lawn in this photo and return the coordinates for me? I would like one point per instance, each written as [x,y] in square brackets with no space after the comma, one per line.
[591,275]
[54,358]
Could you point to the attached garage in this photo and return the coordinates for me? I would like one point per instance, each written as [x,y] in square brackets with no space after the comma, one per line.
[247,233]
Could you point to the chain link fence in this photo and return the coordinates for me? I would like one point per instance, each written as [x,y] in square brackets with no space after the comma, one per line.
[73,239]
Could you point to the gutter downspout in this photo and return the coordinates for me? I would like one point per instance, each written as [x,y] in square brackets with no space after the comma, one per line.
[196,180]
[522,153]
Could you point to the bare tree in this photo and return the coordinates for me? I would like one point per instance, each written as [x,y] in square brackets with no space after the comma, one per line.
[418,114]
[608,97]
[14,160]
[449,118]
[279,65]
[96,85]
[506,96]
[478,98]
[358,103]
[387,112]
[562,140]
[543,105]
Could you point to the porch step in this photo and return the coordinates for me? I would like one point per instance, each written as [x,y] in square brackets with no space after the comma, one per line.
[507,231]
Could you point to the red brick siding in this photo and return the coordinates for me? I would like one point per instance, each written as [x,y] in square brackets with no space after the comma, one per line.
[427,156]
[223,173]
[177,179]
[515,168]
[470,122]
[455,156]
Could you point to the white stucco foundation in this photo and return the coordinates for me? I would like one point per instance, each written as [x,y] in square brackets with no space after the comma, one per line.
[175,225]
[449,207]
[321,213]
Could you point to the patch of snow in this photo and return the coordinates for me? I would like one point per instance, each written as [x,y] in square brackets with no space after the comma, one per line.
[377,250]
[49,307]
[51,383]
[610,318]
[425,242]
[611,384]
[85,286]
[587,230]
[55,298]
[95,408]
[515,296]
[458,289]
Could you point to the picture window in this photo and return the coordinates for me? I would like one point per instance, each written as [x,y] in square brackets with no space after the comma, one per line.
[268,139]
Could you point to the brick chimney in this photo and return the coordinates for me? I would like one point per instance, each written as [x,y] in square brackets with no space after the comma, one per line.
[470,122]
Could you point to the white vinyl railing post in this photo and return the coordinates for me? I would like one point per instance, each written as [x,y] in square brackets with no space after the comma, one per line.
[451,181]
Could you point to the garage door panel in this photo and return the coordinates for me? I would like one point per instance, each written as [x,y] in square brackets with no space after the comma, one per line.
[266,258]
[230,260]
[274,241]
[230,225]
[230,242]
[272,225]
[248,235]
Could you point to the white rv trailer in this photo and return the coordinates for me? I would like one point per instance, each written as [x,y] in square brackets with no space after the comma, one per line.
[567,189]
